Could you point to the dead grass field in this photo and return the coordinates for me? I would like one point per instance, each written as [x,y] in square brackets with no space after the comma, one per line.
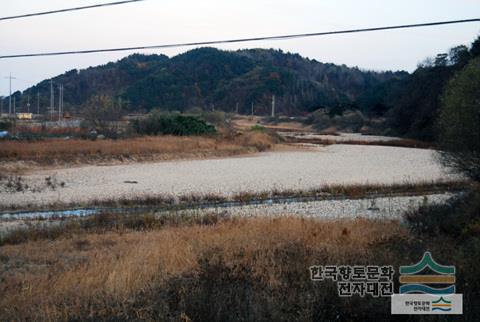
[245,123]
[103,275]
[217,268]
[54,151]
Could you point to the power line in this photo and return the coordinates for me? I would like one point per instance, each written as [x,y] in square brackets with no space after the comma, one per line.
[241,40]
[68,9]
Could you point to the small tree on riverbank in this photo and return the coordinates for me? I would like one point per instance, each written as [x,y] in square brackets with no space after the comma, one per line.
[103,114]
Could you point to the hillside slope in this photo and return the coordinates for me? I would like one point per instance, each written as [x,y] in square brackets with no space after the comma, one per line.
[210,78]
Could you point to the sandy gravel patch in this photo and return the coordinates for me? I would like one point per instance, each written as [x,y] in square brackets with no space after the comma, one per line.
[372,208]
[341,137]
[336,164]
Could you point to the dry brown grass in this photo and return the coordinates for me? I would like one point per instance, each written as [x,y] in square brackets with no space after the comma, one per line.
[37,130]
[101,275]
[144,148]
[261,141]
[332,130]
[227,270]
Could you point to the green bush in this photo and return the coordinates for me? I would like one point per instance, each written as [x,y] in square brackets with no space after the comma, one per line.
[259,128]
[172,124]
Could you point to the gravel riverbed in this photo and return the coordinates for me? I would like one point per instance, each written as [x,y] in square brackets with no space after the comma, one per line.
[372,208]
[335,164]
[340,137]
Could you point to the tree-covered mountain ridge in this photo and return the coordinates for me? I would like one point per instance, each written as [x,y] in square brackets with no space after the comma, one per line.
[210,78]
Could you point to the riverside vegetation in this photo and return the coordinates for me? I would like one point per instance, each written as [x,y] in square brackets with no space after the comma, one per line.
[224,269]
[157,136]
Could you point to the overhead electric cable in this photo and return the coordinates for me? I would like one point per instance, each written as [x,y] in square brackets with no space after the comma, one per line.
[68,9]
[240,40]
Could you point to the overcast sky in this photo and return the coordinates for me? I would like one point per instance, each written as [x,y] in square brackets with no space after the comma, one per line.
[170,21]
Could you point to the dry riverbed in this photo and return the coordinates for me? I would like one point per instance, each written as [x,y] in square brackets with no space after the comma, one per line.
[340,137]
[371,208]
[330,165]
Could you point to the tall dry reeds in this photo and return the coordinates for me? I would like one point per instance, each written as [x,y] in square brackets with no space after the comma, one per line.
[163,147]
[161,274]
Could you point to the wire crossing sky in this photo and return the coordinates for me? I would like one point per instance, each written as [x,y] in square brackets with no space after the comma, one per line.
[28,15]
[178,22]
[230,41]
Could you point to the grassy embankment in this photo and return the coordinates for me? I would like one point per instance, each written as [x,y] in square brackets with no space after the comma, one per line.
[225,269]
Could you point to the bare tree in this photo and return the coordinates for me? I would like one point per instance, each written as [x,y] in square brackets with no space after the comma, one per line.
[103,115]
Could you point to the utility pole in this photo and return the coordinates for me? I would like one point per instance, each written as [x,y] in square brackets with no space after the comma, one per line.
[28,103]
[1,106]
[252,110]
[52,99]
[59,101]
[273,105]
[38,102]
[10,97]
[62,100]
[14,106]
[236,109]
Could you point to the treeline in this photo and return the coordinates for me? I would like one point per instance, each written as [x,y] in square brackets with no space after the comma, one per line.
[213,79]
[411,104]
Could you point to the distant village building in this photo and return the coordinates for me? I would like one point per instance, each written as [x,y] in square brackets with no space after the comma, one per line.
[24,116]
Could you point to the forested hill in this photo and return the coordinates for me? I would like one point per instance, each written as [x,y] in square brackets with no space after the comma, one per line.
[411,105]
[210,78]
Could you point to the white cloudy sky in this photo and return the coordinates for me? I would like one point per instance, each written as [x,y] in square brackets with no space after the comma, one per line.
[170,21]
